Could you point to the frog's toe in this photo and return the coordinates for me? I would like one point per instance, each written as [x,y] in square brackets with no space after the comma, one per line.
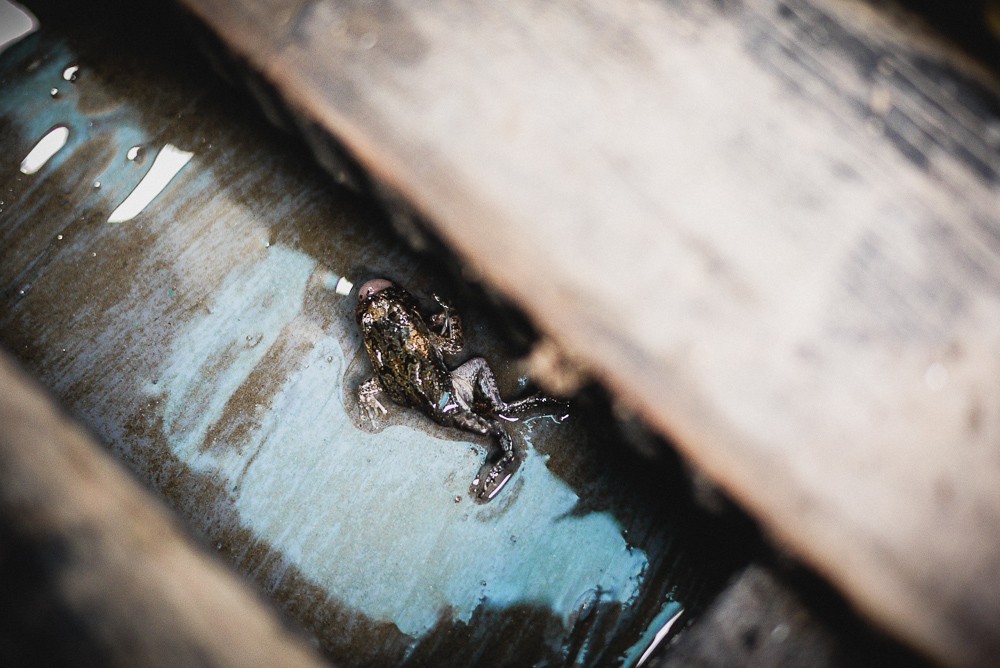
[445,322]
[370,408]
[491,479]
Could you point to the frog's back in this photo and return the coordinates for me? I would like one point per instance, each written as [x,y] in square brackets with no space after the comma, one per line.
[408,365]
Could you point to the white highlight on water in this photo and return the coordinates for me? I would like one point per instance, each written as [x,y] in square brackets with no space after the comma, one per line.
[47,147]
[69,74]
[168,163]
[660,635]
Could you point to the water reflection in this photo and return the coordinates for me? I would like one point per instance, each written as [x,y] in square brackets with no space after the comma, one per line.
[43,151]
[168,163]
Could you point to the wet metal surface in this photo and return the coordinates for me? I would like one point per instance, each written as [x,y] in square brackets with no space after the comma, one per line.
[170,270]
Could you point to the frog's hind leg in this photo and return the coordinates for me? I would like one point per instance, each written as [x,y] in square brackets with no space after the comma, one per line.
[475,380]
[535,401]
[477,424]
[494,474]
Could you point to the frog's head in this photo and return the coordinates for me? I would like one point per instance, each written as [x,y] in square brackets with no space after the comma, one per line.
[373,287]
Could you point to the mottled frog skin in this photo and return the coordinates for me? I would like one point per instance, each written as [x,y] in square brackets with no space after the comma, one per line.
[408,358]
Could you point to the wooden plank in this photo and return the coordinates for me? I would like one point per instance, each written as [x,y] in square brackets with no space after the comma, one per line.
[769,618]
[102,568]
[769,226]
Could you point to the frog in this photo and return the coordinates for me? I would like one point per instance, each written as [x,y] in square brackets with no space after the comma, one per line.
[407,350]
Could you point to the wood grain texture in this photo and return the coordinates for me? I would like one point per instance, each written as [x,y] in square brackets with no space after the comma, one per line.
[770,226]
[104,575]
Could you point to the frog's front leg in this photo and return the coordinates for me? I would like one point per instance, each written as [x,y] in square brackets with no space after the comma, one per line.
[450,339]
[368,401]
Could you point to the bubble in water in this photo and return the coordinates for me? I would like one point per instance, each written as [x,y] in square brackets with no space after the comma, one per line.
[54,92]
[133,153]
[69,74]
[97,184]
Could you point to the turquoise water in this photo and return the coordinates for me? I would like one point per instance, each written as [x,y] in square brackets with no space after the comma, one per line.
[372,518]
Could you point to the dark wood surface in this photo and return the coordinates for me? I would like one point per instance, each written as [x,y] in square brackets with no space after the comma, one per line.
[769,226]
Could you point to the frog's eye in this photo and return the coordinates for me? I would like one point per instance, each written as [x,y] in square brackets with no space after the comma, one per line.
[372,287]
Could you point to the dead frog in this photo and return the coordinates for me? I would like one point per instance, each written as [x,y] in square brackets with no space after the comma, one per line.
[408,358]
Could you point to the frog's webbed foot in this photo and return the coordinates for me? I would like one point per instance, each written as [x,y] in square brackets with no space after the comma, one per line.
[495,473]
[450,338]
[492,477]
[559,409]
[368,401]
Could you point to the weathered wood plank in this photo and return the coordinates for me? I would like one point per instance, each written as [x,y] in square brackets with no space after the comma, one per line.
[770,226]
[101,567]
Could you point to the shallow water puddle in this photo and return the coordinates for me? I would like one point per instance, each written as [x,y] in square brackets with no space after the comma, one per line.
[373,518]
